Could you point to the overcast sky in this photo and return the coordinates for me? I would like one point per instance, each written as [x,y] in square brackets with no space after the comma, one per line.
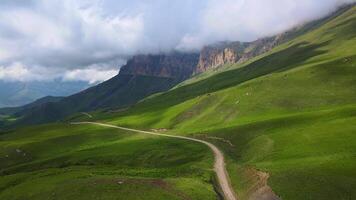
[89,39]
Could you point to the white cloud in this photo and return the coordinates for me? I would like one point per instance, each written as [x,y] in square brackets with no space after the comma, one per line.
[90,75]
[41,39]
[12,71]
[20,73]
[247,20]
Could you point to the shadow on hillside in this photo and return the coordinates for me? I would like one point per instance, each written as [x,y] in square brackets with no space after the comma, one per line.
[283,60]
[346,29]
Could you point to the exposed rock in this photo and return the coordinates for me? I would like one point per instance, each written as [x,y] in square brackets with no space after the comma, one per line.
[219,54]
[214,56]
[174,65]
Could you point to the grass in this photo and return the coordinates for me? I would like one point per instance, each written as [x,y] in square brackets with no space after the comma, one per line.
[83,183]
[81,162]
[308,155]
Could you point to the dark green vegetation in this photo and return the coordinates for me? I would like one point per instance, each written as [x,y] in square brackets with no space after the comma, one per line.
[86,162]
[10,115]
[18,110]
[122,90]
[290,113]
[143,75]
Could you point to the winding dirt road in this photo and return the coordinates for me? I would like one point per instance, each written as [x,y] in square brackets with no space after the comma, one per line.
[219,165]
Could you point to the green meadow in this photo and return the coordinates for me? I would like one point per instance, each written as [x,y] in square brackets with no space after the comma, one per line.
[63,161]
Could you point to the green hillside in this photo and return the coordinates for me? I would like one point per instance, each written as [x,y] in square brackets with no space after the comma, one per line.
[314,71]
[86,162]
[286,118]
[290,112]
[120,91]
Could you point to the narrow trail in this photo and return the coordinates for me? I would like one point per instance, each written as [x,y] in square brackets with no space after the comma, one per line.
[219,165]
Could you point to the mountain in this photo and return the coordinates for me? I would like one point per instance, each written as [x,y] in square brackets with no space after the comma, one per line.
[283,119]
[178,66]
[142,76]
[21,93]
[314,70]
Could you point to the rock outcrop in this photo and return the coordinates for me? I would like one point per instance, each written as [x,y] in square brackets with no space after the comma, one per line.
[214,56]
[179,66]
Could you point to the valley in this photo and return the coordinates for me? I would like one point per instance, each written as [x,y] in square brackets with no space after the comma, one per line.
[278,123]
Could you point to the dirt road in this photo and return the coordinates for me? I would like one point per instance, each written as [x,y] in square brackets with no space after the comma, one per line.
[219,165]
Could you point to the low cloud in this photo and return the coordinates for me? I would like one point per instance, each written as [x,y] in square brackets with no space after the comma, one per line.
[90,39]
[90,75]
[18,72]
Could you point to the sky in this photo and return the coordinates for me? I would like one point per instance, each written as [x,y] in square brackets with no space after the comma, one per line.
[88,40]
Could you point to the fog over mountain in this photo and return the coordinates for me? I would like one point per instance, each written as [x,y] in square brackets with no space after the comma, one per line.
[88,40]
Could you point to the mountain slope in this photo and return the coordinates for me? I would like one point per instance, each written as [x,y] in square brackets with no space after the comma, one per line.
[176,67]
[314,70]
[139,78]
[38,102]
[289,113]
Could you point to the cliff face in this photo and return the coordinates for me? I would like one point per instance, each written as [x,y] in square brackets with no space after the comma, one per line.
[182,65]
[179,66]
[219,54]
[211,57]
[214,56]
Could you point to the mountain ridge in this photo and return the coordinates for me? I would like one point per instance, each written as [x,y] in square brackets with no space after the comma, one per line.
[134,82]
[144,75]
[17,93]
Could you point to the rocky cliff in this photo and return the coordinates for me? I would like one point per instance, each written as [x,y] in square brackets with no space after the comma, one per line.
[214,56]
[179,66]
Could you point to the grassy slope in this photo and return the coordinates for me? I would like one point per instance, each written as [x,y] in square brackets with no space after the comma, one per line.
[88,162]
[308,155]
[120,91]
[309,72]
[290,112]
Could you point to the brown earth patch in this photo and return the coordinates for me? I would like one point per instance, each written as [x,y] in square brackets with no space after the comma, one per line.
[260,189]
